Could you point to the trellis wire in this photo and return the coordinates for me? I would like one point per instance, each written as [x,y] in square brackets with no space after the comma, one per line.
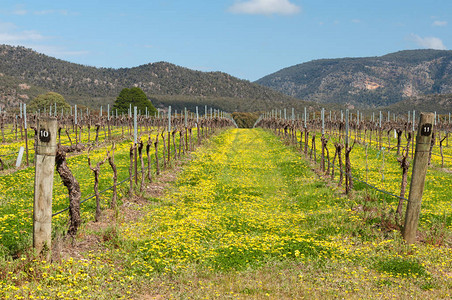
[8,154]
[94,195]
[368,184]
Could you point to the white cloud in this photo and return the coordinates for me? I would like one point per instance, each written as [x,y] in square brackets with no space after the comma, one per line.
[62,12]
[19,10]
[6,27]
[265,7]
[439,23]
[57,51]
[10,35]
[15,38]
[429,42]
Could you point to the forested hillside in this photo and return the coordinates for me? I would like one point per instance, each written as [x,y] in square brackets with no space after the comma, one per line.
[440,103]
[25,73]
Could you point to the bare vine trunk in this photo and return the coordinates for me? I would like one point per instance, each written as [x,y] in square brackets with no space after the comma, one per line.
[73,188]
[431,149]
[339,148]
[148,148]
[164,149]
[96,171]
[441,149]
[173,134]
[111,161]
[97,134]
[140,153]
[131,170]
[348,170]
[157,163]
[404,164]
[190,136]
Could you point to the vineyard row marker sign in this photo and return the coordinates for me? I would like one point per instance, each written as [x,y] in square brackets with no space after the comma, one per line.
[44,170]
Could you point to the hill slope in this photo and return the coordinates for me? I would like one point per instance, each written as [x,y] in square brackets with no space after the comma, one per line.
[368,81]
[25,73]
[442,104]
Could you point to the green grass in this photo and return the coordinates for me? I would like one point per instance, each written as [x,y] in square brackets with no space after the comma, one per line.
[17,191]
[246,218]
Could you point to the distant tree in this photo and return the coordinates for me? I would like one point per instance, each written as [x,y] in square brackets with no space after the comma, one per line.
[245,119]
[44,101]
[136,97]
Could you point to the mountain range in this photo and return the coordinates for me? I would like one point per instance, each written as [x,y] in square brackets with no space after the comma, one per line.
[365,83]
[25,73]
[369,81]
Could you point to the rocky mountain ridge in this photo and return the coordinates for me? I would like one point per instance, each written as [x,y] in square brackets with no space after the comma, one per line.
[368,81]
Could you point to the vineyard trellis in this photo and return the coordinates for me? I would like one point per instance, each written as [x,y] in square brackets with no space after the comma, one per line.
[111,131]
[363,132]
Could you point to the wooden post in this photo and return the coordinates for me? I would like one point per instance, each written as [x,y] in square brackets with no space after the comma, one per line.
[135,141]
[75,124]
[198,140]
[45,166]
[186,129]
[412,134]
[423,140]
[26,132]
[169,133]
[108,121]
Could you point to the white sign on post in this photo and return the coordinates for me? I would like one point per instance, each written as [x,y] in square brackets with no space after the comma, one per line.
[19,157]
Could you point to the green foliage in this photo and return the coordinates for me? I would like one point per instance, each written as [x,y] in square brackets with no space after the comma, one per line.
[442,104]
[45,101]
[244,119]
[336,81]
[136,97]
[92,86]
[230,104]
[236,258]
[400,266]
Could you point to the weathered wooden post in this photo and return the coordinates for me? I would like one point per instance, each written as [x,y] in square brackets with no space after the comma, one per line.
[322,114]
[26,132]
[45,166]
[186,129]
[108,121]
[135,141]
[198,136]
[169,133]
[412,134]
[75,124]
[420,165]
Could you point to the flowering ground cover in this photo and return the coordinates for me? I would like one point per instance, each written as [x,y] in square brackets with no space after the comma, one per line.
[247,217]
[380,168]
[17,191]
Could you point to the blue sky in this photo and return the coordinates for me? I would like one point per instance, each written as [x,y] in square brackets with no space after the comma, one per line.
[245,38]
